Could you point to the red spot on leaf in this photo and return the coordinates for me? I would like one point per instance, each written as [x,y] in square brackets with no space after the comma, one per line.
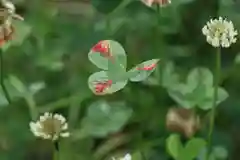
[100,87]
[148,68]
[103,48]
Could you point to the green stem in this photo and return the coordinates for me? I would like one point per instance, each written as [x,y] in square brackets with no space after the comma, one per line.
[62,102]
[32,106]
[108,26]
[121,6]
[215,96]
[56,151]
[158,13]
[5,92]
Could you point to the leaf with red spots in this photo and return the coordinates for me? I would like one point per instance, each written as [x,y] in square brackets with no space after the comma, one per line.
[142,70]
[108,54]
[100,84]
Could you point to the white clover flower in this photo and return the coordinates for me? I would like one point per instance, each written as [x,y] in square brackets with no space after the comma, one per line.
[8,5]
[220,32]
[126,157]
[162,3]
[50,126]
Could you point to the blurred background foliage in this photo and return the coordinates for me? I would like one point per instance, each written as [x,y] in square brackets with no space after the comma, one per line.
[46,69]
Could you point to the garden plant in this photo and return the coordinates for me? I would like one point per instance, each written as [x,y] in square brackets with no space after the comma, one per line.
[119,80]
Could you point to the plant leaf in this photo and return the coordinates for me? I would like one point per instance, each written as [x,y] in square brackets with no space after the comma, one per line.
[108,53]
[222,95]
[142,70]
[181,93]
[105,118]
[237,58]
[169,77]
[3,100]
[105,6]
[200,76]
[174,145]
[99,79]
[207,101]
[35,87]
[220,152]
[192,149]
[17,84]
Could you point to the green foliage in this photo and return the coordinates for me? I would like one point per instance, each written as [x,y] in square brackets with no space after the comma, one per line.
[21,33]
[103,118]
[174,145]
[105,6]
[117,55]
[198,90]
[102,77]
[188,152]
[170,77]
[109,55]
[46,69]
[217,153]
[18,89]
[142,70]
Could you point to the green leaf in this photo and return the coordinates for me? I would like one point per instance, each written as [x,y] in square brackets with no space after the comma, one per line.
[102,77]
[105,118]
[174,145]
[51,61]
[17,84]
[222,95]
[207,101]
[105,6]
[136,156]
[237,58]
[114,57]
[192,149]
[220,152]
[116,23]
[181,93]
[21,32]
[3,100]
[169,77]
[142,70]
[200,76]
[198,91]
[170,22]
[179,50]
[35,87]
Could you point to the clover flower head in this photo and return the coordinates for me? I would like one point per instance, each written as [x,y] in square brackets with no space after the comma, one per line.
[7,14]
[50,126]
[220,32]
[9,6]
[126,157]
[162,3]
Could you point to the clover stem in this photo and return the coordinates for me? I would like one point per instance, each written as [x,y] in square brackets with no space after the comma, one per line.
[108,26]
[215,97]
[5,92]
[158,13]
[56,151]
